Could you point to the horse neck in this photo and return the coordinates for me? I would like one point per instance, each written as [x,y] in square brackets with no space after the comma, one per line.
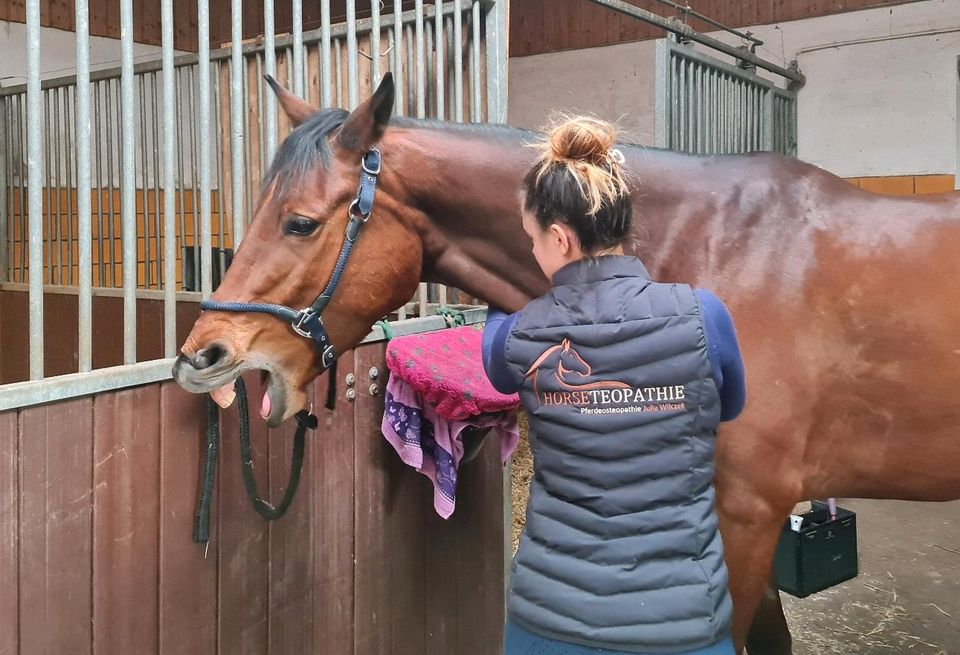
[465,188]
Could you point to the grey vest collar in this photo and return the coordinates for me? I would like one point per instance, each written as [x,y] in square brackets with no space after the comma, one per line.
[596,269]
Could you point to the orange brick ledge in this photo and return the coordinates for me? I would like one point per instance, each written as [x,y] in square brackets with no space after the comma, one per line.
[905,185]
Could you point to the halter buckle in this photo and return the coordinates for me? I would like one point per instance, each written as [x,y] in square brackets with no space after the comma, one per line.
[304,316]
[356,213]
[366,168]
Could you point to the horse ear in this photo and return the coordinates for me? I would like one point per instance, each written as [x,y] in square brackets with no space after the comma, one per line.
[366,124]
[297,109]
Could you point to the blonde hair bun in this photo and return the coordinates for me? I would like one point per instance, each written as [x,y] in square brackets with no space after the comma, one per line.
[585,146]
[581,138]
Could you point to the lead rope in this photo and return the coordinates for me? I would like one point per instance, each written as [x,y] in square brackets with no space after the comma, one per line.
[305,420]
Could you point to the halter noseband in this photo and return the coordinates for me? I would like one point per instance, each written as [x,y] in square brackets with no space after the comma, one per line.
[307,322]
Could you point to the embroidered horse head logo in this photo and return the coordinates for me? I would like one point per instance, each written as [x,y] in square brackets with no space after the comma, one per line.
[570,370]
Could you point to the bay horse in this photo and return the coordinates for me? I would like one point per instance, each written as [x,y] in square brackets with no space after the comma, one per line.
[847,304]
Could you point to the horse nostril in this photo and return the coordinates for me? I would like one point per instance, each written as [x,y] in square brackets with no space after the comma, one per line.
[208,357]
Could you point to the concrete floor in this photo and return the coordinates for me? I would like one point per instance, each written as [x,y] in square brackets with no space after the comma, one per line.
[907,596]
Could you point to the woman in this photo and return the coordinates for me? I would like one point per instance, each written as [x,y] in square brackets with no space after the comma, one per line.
[625,381]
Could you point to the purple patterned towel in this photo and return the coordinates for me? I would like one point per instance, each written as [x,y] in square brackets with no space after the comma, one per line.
[432,444]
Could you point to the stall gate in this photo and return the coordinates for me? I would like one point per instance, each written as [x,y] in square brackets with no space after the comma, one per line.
[708,106]
[100,273]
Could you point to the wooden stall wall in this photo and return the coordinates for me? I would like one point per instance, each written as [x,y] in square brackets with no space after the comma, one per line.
[60,321]
[539,26]
[96,510]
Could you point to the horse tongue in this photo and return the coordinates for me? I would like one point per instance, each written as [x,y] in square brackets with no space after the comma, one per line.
[265,405]
[224,396]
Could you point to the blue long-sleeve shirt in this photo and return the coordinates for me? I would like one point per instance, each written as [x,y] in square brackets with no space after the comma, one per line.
[722,349]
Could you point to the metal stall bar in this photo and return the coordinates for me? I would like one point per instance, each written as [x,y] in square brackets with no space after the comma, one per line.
[496,41]
[128,182]
[297,19]
[237,68]
[353,74]
[458,61]
[475,62]
[270,66]
[375,42]
[421,103]
[689,34]
[6,229]
[169,184]
[438,65]
[84,205]
[35,116]
[325,82]
[203,70]
[398,58]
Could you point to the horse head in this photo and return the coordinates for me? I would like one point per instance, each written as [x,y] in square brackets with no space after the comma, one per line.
[572,369]
[291,248]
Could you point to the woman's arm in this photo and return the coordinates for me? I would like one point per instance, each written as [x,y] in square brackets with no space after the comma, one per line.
[495,333]
[724,351]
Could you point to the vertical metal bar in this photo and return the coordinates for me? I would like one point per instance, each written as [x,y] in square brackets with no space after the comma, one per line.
[128,197]
[429,71]
[682,113]
[421,89]
[661,100]
[496,41]
[237,130]
[181,183]
[98,138]
[297,10]
[47,179]
[338,73]
[218,149]
[261,140]
[169,182]
[71,138]
[475,63]
[411,49]
[22,187]
[325,82]
[438,71]
[194,178]
[142,124]
[768,127]
[6,230]
[35,191]
[55,229]
[156,254]
[84,207]
[375,42]
[270,66]
[203,56]
[353,73]
[458,60]
[111,208]
[398,51]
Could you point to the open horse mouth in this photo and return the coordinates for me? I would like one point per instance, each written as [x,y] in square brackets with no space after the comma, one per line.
[273,406]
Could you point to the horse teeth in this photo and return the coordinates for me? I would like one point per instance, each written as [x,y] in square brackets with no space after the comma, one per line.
[224,396]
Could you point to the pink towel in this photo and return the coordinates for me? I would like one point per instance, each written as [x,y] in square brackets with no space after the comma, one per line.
[437,389]
[446,368]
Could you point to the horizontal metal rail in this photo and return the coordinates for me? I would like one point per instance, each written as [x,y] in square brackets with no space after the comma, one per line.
[687,32]
[21,395]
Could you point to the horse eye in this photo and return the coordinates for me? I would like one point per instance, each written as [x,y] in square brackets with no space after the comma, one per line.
[299,226]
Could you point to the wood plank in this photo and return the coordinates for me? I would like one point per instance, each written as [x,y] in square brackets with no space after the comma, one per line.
[331,459]
[9,531]
[55,540]
[390,506]
[244,555]
[291,560]
[188,578]
[126,520]
[480,560]
[897,185]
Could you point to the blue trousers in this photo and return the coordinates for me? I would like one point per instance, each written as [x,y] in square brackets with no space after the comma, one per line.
[518,641]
